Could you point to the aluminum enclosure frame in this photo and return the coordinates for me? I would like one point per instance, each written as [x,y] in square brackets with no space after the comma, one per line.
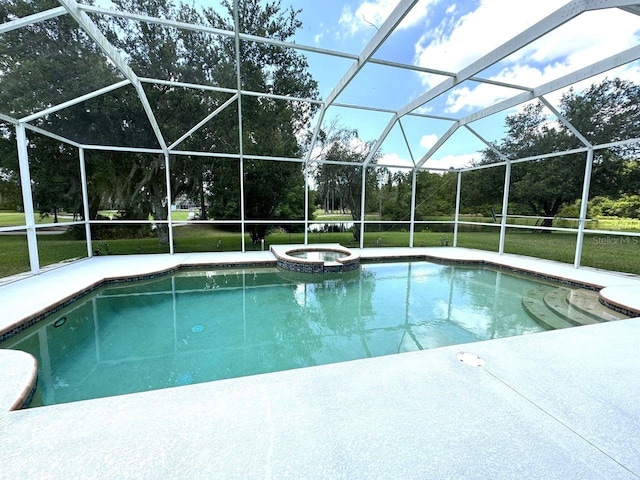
[524,94]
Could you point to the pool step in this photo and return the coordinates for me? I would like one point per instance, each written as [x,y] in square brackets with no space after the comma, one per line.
[560,307]
[533,303]
[588,302]
[556,301]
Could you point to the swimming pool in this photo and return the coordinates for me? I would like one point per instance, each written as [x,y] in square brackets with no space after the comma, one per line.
[197,326]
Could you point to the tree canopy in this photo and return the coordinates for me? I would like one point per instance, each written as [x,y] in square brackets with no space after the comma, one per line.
[273,190]
[603,113]
[41,63]
[53,61]
[342,181]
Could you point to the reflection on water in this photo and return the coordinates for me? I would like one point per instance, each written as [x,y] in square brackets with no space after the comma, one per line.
[331,227]
[201,326]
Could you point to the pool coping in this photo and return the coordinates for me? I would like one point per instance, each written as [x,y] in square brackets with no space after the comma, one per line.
[544,270]
[18,377]
[411,415]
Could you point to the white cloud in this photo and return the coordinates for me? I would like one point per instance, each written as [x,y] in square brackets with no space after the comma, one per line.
[453,161]
[476,97]
[377,11]
[428,141]
[393,159]
[576,44]
[452,46]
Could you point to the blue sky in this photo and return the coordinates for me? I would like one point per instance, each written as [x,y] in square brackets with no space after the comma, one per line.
[448,35]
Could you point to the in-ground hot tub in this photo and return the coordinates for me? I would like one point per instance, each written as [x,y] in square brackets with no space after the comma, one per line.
[324,258]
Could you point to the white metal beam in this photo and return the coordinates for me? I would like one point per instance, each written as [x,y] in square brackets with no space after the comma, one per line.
[487,143]
[586,185]
[551,22]
[195,86]
[167,175]
[527,159]
[236,24]
[46,133]
[111,12]
[589,71]
[456,218]
[279,43]
[438,144]
[251,93]
[85,201]
[314,137]
[406,142]
[565,122]
[31,19]
[8,119]
[544,26]
[394,19]
[363,201]
[75,101]
[27,198]
[635,9]
[116,148]
[381,138]
[505,207]
[602,4]
[215,31]
[412,217]
[109,50]
[203,121]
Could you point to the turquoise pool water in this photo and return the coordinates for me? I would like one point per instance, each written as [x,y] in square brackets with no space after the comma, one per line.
[198,326]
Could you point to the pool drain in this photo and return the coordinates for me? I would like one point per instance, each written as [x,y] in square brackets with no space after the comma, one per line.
[470,359]
[197,328]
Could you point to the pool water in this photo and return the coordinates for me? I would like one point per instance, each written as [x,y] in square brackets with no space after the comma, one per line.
[319,255]
[198,326]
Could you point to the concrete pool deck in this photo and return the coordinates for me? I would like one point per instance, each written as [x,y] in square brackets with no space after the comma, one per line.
[562,404]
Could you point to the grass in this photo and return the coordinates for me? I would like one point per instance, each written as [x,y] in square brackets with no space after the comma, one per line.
[615,223]
[600,251]
[14,219]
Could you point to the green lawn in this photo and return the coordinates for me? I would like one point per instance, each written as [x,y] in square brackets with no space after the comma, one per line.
[13,219]
[601,251]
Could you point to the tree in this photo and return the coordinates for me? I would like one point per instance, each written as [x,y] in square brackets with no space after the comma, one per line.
[345,180]
[608,112]
[159,52]
[273,190]
[397,196]
[58,62]
[44,64]
[603,113]
[10,191]
[435,194]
